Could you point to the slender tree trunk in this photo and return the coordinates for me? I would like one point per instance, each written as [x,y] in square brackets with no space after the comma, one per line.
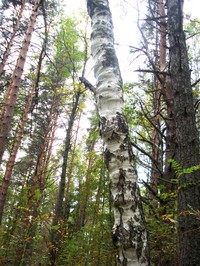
[10,42]
[38,181]
[166,88]
[129,234]
[12,92]
[66,209]
[11,161]
[59,211]
[170,136]
[85,191]
[156,120]
[187,142]
[37,186]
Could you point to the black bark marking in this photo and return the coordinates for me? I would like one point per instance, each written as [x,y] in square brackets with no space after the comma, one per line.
[122,178]
[107,157]
[185,111]
[114,136]
[123,147]
[119,200]
[91,6]
[102,125]
[122,124]
[122,158]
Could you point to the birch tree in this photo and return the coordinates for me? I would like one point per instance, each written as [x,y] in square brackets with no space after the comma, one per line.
[129,234]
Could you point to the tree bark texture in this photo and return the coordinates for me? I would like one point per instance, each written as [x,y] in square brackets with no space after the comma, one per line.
[166,89]
[12,92]
[187,142]
[129,234]
[10,42]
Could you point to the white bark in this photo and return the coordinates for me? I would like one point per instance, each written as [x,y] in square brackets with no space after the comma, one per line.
[129,234]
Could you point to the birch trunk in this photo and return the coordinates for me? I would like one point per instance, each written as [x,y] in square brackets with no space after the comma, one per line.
[187,141]
[12,93]
[129,234]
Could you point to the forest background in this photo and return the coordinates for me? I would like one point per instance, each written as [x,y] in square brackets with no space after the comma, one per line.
[55,202]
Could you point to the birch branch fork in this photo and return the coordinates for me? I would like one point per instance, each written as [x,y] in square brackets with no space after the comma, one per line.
[129,234]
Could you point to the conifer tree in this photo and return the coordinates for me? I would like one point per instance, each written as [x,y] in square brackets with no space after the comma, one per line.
[187,139]
[12,91]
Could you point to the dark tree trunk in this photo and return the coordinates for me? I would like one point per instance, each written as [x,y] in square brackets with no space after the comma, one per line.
[56,235]
[66,208]
[166,89]
[187,142]
[85,191]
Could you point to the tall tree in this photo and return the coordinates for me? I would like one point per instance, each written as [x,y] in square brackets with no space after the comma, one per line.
[166,89]
[9,45]
[67,63]
[11,161]
[129,234]
[187,142]
[37,186]
[85,189]
[56,235]
[12,92]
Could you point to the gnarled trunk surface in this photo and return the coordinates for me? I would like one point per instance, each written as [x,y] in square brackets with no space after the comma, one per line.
[129,234]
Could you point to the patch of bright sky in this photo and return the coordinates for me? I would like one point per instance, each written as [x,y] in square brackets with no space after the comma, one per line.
[125,17]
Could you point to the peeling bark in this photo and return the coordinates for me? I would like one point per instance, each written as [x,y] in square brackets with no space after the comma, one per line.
[129,234]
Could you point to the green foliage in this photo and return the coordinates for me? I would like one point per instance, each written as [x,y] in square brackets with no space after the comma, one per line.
[92,245]
[179,170]
[161,224]
[67,48]
[25,233]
